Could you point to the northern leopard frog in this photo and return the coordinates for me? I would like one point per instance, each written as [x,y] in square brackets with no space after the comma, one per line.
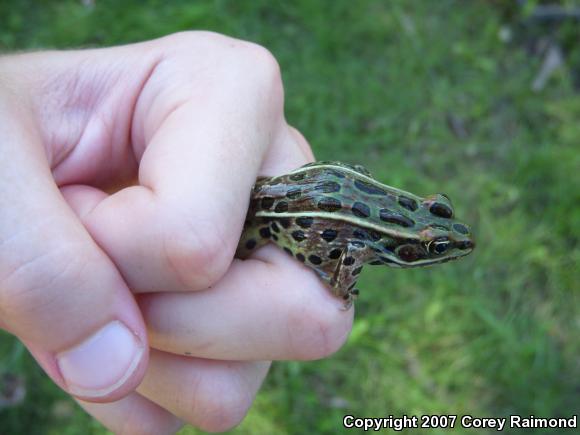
[335,217]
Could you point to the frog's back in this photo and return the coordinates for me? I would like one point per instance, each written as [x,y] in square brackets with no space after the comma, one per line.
[340,192]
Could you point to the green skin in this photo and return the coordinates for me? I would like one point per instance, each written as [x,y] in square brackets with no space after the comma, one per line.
[335,218]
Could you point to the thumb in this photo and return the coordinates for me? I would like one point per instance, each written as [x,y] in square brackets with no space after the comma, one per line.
[59,293]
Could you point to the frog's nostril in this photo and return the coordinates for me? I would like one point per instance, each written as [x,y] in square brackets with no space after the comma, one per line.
[466,244]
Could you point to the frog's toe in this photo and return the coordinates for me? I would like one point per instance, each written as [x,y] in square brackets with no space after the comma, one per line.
[347,305]
[349,298]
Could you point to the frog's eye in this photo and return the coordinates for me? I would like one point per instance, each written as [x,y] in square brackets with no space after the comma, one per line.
[438,246]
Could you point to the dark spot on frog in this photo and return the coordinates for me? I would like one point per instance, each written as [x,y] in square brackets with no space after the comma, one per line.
[334,254]
[288,251]
[265,232]
[275,237]
[362,170]
[305,221]
[395,218]
[294,193]
[250,244]
[348,261]
[314,259]
[361,210]
[300,258]
[267,202]
[281,207]
[285,222]
[408,203]
[407,253]
[360,234]
[298,235]
[329,204]
[275,227]
[335,173]
[297,177]
[441,210]
[369,188]
[329,235]
[357,271]
[327,187]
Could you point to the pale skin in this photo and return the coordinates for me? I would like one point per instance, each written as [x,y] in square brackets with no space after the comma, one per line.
[185,123]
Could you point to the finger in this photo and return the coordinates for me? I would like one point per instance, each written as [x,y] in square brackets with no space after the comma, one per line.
[289,151]
[211,395]
[302,143]
[267,308]
[133,414]
[202,143]
[82,199]
[58,292]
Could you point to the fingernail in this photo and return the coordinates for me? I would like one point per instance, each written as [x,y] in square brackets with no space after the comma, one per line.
[101,363]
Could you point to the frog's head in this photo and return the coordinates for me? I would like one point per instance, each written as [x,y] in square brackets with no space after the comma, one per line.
[436,238]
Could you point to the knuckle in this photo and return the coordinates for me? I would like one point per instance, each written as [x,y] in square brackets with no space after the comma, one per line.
[261,57]
[243,69]
[221,47]
[263,61]
[234,59]
[27,288]
[198,257]
[265,71]
[317,331]
[188,38]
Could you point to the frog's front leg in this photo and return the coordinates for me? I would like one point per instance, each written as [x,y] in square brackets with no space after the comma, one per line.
[348,267]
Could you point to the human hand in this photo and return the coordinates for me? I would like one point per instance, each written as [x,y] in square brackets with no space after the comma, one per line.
[195,117]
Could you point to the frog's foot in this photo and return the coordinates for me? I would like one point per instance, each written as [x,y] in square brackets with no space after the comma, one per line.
[349,298]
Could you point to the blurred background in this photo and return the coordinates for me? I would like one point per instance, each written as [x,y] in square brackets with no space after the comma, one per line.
[477,99]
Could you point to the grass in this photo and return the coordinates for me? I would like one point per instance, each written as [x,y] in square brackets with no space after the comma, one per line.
[379,83]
